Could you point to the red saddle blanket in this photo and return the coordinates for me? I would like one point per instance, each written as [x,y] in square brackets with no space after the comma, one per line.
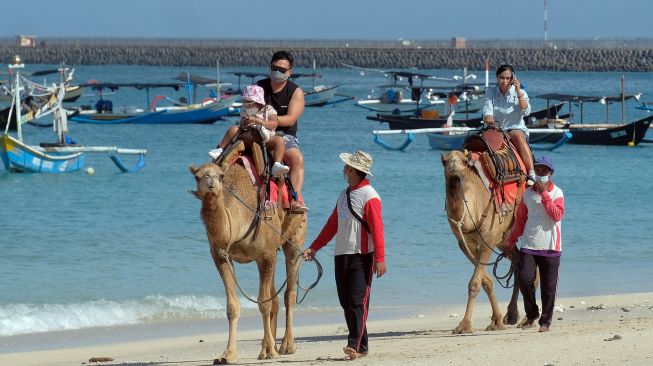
[508,192]
[248,164]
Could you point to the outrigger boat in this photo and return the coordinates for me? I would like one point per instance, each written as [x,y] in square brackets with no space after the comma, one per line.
[314,96]
[205,112]
[398,122]
[60,157]
[449,138]
[624,134]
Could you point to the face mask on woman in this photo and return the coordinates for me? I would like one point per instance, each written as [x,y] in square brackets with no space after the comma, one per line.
[278,76]
[542,178]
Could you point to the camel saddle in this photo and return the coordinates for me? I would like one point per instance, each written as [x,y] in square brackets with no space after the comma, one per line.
[497,155]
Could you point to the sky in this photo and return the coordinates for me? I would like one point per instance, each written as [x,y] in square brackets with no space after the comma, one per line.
[329,19]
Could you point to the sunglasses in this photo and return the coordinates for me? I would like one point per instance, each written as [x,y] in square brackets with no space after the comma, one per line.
[282,70]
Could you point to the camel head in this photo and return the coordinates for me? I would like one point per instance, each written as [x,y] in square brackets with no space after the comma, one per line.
[455,163]
[208,178]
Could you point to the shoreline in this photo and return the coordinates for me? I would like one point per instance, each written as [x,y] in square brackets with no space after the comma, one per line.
[607,329]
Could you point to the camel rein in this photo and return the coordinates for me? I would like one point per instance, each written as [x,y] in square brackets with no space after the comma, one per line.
[477,226]
[225,254]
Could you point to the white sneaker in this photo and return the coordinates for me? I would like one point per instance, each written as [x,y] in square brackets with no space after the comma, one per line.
[279,169]
[215,153]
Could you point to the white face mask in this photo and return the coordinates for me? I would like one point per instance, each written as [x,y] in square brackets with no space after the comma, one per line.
[542,178]
[247,112]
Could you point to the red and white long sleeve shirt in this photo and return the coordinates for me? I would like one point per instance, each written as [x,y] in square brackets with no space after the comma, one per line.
[537,224]
[351,236]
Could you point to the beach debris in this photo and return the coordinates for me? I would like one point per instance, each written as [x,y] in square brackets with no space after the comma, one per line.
[100,359]
[596,307]
[625,310]
[571,306]
[560,318]
[582,302]
[616,337]
[201,341]
[420,315]
[453,315]
[559,309]
[550,364]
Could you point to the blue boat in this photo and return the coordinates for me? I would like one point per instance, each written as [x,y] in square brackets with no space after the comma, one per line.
[207,112]
[62,156]
[19,157]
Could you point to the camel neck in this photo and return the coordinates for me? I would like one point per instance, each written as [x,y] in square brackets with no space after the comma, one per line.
[216,219]
[454,197]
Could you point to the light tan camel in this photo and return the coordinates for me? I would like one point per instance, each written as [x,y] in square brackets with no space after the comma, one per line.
[466,201]
[234,233]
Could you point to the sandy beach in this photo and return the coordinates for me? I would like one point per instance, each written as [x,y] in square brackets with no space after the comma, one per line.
[599,330]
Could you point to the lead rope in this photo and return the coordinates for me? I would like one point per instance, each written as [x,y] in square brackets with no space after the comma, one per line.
[224,253]
[508,276]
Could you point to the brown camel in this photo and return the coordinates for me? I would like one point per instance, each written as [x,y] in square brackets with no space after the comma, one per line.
[235,234]
[466,201]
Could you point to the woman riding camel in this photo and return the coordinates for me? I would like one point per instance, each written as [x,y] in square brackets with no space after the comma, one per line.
[507,104]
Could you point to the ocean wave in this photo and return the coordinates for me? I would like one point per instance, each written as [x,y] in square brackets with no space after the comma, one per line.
[23,318]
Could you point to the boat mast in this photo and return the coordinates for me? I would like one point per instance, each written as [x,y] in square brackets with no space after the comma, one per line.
[623,101]
[17,65]
[217,69]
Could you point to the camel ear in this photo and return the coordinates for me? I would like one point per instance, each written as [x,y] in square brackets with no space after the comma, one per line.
[443,159]
[465,152]
[192,169]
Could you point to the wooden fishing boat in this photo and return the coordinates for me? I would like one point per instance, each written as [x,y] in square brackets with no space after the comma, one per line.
[63,156]
[398,122]
[619,134]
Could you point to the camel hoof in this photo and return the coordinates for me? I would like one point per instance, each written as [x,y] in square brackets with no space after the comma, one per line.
[287,347]
[511,317]
[462,330]
[224,361]
[226,358]
[267,355]
[495,326]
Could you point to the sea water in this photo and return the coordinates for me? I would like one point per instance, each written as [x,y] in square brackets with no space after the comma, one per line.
[79,251]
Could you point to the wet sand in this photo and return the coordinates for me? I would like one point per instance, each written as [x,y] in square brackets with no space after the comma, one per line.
[599,330]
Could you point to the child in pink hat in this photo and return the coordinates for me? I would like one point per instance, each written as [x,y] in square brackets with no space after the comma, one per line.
[259,119]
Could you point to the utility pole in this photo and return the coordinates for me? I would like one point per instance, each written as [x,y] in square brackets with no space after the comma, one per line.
[546,27]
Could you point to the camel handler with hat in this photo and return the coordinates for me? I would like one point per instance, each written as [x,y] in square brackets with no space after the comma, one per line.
[538,229]
[357,225]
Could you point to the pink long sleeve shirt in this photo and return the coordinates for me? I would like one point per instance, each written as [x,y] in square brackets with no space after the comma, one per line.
[537,225]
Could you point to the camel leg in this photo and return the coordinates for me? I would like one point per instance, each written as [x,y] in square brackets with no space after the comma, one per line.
[266,278]
[496,322]
[230,354]
[512,313]
[473,288]
[274,315]
[290,298]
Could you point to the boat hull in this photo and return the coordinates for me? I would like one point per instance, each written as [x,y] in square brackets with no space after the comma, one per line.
[205,114]
[537,141]
[316,98]
[628,134]
[18,157]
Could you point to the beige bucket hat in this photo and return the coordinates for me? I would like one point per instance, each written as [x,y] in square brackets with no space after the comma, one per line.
[360,160]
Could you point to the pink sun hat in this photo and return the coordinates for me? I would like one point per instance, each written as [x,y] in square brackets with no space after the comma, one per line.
[253,93]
